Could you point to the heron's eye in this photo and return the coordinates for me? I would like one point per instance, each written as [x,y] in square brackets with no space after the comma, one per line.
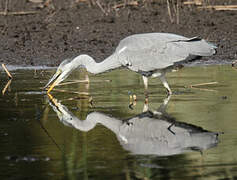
[127,63]
[129,123]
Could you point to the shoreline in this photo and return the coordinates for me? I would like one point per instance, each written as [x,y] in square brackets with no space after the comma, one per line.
[48,36]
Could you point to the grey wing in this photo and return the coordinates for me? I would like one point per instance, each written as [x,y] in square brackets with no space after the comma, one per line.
[150,52]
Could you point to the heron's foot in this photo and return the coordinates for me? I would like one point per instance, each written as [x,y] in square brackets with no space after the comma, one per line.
[87,79]
[91,102]
[146,100]
[146,93]
[169,92]
[132,100]
[132,104]
[132,97]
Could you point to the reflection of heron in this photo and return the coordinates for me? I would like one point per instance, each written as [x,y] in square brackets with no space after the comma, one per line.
[7,86]
[151,54]
[147,133]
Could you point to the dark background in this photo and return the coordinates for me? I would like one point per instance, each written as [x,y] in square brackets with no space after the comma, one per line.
[38,32]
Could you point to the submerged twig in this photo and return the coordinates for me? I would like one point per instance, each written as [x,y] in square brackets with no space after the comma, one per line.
[90,99]
[204,89]
[195,86]
[73,82]
[202,84]
[73,92]
[38,116]
[8,73]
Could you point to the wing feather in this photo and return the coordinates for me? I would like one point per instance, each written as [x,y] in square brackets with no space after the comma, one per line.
[149,52]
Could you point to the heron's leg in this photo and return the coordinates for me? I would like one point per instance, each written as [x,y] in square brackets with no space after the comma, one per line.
[145,107]
[87,80]
[145,80]
[52,86]
[165,83]
[164,105]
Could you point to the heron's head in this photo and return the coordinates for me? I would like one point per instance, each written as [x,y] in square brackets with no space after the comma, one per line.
[63,71]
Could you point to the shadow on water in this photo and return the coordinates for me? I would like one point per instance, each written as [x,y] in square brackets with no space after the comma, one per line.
[105,139]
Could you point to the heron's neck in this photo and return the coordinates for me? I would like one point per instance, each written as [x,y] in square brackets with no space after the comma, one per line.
[89,63]
[90,122]
[109,122]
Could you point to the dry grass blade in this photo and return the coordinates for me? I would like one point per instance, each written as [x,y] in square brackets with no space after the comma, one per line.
[81,81]
[130,3]
[18,13]
[101,8]
[204,89]
[169,12]
[202,84]
[220,7]
[195,2]
[8,73]
[177,11]
[36,1]
[196,86]
[6,8]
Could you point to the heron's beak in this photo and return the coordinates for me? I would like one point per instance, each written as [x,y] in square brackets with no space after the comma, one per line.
[54,81]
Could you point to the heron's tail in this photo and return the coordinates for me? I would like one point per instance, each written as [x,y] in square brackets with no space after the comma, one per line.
[200,47]
[213,46]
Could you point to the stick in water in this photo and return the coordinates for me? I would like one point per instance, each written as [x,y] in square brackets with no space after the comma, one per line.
[8,73]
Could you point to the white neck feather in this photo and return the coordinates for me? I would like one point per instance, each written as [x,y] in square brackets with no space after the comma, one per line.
[89,63]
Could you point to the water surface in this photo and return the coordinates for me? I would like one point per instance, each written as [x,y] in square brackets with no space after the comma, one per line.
[93,132]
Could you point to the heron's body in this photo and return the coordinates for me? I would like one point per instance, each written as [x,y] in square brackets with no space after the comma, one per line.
[149,54]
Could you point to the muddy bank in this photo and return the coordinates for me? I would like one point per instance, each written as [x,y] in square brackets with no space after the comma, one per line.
[61,30]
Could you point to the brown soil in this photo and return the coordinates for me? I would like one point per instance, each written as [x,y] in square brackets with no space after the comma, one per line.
[62,29]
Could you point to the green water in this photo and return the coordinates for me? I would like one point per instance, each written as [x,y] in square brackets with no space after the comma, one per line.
[35,144]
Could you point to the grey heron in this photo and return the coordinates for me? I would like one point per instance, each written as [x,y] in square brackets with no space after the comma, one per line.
[150,54]
[150,132]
